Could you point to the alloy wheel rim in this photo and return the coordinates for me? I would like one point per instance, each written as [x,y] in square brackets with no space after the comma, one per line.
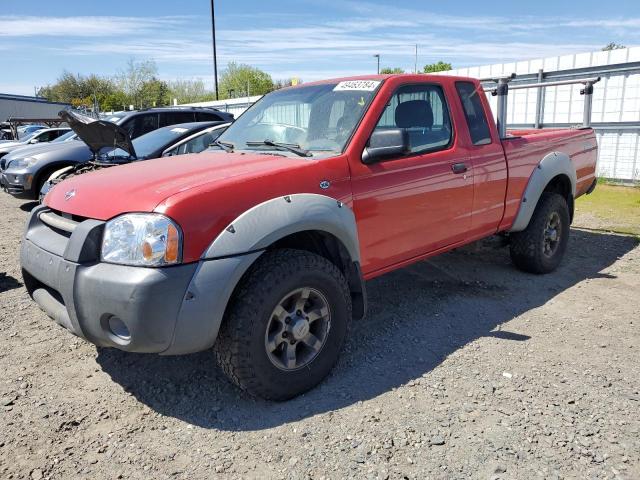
[552,234]
[297,329]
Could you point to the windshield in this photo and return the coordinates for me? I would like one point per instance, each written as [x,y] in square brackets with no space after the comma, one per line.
[149,143]
[28,137]
[317,118]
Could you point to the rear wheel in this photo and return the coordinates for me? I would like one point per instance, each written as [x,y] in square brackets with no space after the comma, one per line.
[541,246]
[285,326]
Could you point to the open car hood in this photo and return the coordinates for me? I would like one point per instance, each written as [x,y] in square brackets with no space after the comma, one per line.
[98,134]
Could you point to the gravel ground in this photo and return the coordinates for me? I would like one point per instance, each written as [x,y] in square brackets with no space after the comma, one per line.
[464,368]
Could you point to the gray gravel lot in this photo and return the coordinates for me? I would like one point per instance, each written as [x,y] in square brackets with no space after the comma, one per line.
[464,368]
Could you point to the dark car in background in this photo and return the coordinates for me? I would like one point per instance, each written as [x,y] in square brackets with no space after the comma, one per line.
[24,174]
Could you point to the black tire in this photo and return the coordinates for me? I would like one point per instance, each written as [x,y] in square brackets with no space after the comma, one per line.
[241,349]
[532,249]
[40,180]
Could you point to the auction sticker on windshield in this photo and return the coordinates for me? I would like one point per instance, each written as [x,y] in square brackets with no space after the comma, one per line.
[358,85]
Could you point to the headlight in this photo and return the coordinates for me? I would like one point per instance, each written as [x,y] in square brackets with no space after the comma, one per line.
[21,163]
[142,239]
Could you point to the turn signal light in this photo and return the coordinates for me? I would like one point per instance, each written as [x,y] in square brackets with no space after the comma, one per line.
[173,245]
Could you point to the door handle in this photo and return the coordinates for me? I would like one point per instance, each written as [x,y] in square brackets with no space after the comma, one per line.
[459,168]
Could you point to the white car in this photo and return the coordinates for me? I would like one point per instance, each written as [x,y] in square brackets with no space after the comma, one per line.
[44,135]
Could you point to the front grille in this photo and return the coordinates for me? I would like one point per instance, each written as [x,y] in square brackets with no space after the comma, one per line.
[52,231]
[75,218]
[58,222]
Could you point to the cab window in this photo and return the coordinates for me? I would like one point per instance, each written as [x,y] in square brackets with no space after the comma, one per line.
[474,113]
[422,111]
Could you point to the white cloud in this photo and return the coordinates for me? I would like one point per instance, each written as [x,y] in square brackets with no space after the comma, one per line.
[311,48]
[103,26]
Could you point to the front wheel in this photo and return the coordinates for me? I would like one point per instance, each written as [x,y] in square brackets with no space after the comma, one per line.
[540,247]
[285,325]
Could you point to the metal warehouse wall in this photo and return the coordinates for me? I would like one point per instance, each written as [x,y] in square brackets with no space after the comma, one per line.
[27,107]
[616,104]
[237,106]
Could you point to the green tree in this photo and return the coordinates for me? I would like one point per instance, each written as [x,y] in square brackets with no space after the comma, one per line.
[78,90]
[154,93]
[244,80]
[389,70]
[190,91]
[115,102]
[437,67]
[132,80]
[612,46]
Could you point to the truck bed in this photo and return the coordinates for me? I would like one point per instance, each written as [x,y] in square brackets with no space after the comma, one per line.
[525,148]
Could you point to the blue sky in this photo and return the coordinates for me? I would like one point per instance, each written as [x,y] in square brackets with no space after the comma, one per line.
[310,39]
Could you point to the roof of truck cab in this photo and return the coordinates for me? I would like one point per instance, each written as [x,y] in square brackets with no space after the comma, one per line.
[407,76]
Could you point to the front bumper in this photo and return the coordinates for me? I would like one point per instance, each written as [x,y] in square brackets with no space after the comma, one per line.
[17,183]
[171,310]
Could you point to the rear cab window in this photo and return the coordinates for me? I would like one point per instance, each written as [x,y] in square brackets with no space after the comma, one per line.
[474,113]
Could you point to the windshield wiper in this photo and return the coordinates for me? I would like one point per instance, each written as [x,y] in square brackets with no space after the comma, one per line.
[226,146]
[291,147]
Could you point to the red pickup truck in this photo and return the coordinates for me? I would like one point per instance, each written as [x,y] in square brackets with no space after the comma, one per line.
[261,248]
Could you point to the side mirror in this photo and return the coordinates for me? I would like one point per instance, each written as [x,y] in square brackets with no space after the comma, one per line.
[34,140]
[384,144]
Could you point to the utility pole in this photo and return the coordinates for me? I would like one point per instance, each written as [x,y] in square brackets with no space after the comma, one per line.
[215,56]
[377,55]
[416,66]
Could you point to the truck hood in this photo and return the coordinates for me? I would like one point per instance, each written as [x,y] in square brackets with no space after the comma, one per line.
[142,186]
[98,134]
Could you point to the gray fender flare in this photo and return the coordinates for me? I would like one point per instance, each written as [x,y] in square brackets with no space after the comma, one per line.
[234,250]
[262,225]
[554,164]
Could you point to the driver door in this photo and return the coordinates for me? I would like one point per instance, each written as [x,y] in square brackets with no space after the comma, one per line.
[419,202]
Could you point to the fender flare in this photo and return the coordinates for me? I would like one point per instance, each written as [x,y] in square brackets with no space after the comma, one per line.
[262,225]
[554,164]
[236,249]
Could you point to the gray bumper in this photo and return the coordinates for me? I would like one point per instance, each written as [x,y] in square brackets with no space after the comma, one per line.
[172,310]
[18,184]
